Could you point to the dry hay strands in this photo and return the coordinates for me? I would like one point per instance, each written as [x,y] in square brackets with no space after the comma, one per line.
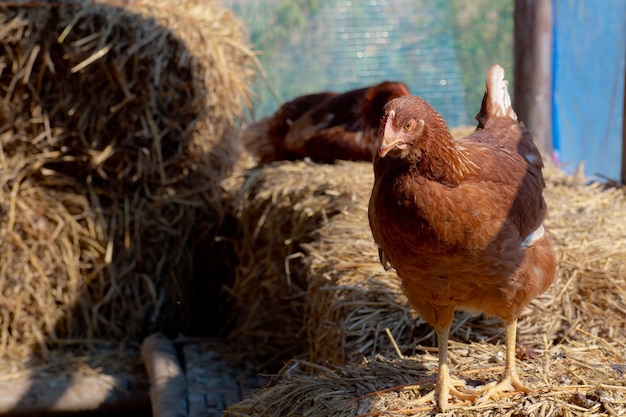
[123,91]
[52,241]
[389,387]
[80,261]
[280,207]
[113,141]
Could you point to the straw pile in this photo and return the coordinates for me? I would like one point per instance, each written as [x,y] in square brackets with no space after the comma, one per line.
[113,126]
[279,207]
[573,381]
[364,339]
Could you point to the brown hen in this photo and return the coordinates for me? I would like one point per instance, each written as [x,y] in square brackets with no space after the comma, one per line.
[265,139]
[324,126]
[345,126]
[462,221]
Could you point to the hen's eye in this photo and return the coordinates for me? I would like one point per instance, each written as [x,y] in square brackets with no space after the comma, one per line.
[407,126]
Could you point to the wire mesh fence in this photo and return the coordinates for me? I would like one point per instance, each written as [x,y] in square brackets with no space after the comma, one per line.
[441,49]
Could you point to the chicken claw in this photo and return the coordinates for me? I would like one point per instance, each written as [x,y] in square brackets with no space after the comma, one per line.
[445,389]
[509,383]
[510,380]
[443,403]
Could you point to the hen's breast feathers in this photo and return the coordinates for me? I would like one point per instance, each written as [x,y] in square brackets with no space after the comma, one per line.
[483,220]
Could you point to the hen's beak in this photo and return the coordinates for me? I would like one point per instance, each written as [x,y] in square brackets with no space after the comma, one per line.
[387,143]
[393,139]
[388,137]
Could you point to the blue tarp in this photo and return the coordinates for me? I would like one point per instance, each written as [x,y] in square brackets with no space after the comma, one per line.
[588,99]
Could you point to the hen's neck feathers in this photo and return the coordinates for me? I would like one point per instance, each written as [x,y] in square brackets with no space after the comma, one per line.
[439,159]
[434,156]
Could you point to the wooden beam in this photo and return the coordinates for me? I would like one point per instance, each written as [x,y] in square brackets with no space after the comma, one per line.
[74,393]
[623,176]
[168,384]
[532,94]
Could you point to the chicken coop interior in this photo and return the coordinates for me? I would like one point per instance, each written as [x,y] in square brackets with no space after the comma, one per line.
[188,222]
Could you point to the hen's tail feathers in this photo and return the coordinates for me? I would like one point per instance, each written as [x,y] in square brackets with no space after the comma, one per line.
[496,101]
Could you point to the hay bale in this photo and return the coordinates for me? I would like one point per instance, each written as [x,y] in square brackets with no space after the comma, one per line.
[570,347]
[112,149]
[279,206]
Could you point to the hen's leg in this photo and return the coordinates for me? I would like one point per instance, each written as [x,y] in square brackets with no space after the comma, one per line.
[510,380]
[444,388]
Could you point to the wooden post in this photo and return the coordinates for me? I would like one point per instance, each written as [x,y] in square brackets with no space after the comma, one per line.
[168,385]
[532,95]
[624,132]
[74,393]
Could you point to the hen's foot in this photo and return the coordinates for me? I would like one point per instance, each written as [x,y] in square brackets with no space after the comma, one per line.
[510,380]
[509,383]
[444,391]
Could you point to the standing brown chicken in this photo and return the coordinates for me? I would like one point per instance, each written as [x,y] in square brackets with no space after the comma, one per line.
[462,221]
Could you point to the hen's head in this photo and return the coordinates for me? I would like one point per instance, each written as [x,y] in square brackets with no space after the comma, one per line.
[407,122]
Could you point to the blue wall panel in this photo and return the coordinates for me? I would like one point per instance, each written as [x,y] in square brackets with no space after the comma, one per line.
[589,51]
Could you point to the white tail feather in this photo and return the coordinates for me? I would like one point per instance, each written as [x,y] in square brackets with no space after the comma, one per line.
[497,94]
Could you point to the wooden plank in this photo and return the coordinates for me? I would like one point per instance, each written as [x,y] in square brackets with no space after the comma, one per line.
[532,94]
[214,383]
[623,176]
[168,385]
[74,392]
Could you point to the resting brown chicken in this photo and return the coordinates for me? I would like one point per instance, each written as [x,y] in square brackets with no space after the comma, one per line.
[462,221]
[266,138]
[344,126]
[324,126]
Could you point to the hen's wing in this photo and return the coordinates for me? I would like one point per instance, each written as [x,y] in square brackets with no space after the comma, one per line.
[280,122]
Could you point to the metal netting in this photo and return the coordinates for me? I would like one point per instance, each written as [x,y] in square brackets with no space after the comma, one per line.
[431,45]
